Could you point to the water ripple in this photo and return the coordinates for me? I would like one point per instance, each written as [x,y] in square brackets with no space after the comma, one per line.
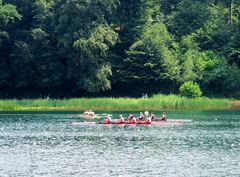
[49,145]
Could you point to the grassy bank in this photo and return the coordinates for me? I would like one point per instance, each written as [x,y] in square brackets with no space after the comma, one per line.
[154,103]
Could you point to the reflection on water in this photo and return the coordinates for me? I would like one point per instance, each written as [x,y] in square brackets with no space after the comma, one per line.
[49,145]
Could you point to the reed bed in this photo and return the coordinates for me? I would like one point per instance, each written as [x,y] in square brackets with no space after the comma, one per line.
[156,102]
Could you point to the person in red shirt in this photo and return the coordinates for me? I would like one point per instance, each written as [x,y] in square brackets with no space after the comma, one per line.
[120,120]
[107,120]
[147,121]
[133,120]
[130,117]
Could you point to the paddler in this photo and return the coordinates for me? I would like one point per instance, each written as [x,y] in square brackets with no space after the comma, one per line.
[107,120]
[86,112]
[131,116]
[146,113]
[152,115]
[141,116]
[91,113]
[148,120]
[131,119]
[121,119]
[164,117]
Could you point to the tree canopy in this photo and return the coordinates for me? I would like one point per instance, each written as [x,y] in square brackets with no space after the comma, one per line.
[66,48]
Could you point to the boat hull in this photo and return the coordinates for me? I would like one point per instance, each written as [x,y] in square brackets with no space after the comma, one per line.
[132,123]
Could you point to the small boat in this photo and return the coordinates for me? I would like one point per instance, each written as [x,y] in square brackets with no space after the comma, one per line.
[170,122]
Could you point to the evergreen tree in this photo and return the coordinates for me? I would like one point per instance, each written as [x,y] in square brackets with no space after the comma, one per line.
[94,46]
[8,15]
[48,65]
[84,37]
[150,64]
[188,17]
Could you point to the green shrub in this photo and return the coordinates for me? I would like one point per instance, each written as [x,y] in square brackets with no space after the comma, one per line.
[190,90]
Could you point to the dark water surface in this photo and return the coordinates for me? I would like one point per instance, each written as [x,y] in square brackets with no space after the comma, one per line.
[50,145]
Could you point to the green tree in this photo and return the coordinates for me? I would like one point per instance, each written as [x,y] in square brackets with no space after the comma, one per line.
[8,15]
[188,58]
[211,69]
[131,16]
[208,68]
[169,6]
[216,32]
[231,82]
[84,37]
[23,66]
[144,46]
[189,16]
[150,63]
[43,39]
[190,89]
[92,53]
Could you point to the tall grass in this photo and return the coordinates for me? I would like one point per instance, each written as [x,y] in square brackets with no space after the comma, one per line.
[154,103]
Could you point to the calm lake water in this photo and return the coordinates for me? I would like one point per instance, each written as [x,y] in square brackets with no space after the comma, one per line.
[50,145]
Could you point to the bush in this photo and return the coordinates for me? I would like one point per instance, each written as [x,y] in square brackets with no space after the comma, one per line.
[190,89]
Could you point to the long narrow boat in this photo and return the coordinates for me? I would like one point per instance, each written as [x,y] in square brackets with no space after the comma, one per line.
[130,123]
[96,123]
[112,123]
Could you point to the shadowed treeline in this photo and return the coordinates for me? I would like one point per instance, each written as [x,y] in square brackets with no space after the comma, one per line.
[70,48]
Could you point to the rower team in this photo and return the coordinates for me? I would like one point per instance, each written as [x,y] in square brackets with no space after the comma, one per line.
[133,120]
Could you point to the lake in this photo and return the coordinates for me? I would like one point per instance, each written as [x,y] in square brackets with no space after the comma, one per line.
[48,144]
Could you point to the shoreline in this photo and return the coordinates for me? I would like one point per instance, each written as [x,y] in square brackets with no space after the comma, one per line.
[157,102]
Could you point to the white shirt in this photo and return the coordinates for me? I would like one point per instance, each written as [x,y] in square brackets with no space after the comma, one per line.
[146,113]
[149,119]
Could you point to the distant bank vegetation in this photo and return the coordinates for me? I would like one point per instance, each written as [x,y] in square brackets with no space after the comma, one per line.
[74,48]
[156,102]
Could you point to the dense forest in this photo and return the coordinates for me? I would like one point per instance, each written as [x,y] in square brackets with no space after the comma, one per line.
[71,48]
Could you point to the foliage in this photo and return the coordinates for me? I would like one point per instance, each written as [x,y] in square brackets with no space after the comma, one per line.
[188,17]
[85,40]
[8,14]
[151,60]
[231,81]
[54,46]
[190,89]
